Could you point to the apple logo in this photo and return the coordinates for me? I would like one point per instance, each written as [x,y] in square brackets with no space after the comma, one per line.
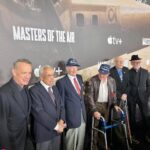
[110,40]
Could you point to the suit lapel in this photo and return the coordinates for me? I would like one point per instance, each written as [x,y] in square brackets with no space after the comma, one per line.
[70,85]
[17,96]
[45,94]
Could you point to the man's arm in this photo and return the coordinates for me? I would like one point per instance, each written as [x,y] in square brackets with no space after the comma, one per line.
[4,137]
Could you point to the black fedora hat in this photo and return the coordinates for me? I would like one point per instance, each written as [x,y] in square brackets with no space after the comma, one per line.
[135,57]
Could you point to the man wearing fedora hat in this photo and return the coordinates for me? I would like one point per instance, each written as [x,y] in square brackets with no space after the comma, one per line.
[71,90]
[139,91]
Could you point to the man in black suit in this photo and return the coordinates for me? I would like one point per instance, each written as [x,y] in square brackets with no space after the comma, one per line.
[15,107]
[48,111]
[139,82]
[71,90]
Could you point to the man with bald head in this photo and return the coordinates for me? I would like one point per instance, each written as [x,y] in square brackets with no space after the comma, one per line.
[48,111]
[120,73]
[121,76]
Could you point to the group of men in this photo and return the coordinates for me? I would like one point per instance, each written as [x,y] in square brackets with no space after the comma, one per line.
[58,111]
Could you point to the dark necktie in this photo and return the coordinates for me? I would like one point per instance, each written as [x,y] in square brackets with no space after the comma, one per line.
[51,94]
[77,86]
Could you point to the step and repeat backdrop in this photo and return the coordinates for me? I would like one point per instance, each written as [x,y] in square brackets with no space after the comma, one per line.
[51,31]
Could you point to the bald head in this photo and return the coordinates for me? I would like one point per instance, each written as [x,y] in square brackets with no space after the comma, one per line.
[119,62]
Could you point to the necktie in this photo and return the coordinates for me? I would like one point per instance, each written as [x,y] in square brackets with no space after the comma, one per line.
[77,86]
[51,94]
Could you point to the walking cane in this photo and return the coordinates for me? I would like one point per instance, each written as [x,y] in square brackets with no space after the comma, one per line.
[127,121]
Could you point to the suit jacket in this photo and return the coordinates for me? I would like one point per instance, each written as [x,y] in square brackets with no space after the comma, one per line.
[13,117]
[74,104]
[46,114]
[93,92]
[142,89]
[122,87]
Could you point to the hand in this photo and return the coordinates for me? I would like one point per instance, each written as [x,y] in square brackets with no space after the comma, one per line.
[97,115]
[124,97]
[62,123]
[117,108]
[60,126]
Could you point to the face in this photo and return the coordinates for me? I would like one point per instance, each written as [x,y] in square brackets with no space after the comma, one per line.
[103,77]
[136,64]
[119,62]
[47,76]
[72,70]
[22,73]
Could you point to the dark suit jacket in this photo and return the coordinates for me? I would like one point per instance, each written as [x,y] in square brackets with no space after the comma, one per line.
[46,114]
[13,117]
[121,87]
[142,88]
[74,104]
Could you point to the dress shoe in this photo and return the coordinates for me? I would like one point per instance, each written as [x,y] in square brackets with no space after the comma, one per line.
[135,141]
[147,138]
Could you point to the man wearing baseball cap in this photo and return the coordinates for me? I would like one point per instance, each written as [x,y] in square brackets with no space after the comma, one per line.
[71,90]
[100,97]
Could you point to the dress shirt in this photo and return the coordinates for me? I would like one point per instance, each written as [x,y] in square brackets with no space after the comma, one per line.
[103,92]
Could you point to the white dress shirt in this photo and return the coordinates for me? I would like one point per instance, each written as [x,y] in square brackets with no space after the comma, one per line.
[103,92]
[72,81]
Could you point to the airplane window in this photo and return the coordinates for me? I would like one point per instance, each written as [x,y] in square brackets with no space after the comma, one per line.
[80,19]
[94,20]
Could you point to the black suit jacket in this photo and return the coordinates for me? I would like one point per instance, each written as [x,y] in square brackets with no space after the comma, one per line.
[74,104]
[46,114]
[122,87]
[142,89]
[13,117]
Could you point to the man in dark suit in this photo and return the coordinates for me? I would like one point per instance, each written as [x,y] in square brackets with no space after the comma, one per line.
[71,90]
[48,111]
[121,75]
[15,107]
[139,83]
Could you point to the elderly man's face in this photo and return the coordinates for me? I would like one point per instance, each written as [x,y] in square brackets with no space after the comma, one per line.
[103,77]
[22,73]
[136,64]
[72,70]
[47,76]
[119,62]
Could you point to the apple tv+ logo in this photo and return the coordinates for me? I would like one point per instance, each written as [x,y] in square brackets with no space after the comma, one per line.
[112,40]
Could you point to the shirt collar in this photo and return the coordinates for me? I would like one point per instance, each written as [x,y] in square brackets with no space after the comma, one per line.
[45,85]
[17,85]
[71,77]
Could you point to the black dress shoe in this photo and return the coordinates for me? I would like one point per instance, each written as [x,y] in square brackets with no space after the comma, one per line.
[147,138]
[135,141]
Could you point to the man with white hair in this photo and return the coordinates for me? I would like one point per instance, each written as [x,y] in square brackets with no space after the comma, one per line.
[48,111]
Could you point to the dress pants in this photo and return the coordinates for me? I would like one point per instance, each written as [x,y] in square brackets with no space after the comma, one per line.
[74,139]
[53,144]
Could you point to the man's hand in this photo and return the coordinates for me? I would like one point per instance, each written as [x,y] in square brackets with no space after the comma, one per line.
[117,108]
[61,125]
[124,97]
[97,115]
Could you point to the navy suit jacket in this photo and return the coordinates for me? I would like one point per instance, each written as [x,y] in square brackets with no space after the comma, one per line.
[74,104]
[13,117]
[45,113]
[121,86]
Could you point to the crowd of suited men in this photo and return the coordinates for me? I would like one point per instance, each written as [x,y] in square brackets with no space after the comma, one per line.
[58,116]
